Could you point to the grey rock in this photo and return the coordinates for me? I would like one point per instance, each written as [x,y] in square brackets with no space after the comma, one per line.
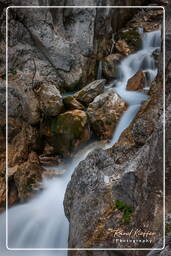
[104,112]
[89,92]
[50,100]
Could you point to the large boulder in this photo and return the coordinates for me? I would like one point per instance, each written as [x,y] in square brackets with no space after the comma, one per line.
[137,82]
[110,65]
[67,131]
[50,100]
[89,92]
[104,113]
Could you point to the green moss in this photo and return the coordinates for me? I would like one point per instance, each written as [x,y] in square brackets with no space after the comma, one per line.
[126,210]
[132,37]
[13,71]
[66,130]
[68,100]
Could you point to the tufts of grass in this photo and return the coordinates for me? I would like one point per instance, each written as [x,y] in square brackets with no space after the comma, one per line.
[126,210]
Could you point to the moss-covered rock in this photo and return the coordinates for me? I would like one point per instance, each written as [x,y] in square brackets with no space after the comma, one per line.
[67,131]
[132,38]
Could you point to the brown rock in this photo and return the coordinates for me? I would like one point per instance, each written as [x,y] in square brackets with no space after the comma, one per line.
[110,65]
[2,193]
[50,99]
[123,47]
[67,131]
[90,91]
[104,113]
[137,82]
[33,158]
[71,103]
[27,178]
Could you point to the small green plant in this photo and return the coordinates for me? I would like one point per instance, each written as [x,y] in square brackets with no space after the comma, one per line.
[126,210]
[13,71]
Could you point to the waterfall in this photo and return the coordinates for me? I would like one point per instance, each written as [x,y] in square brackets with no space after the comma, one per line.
[41,223]
[113,43]
[99,71]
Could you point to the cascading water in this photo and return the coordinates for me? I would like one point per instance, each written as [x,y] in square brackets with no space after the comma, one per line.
[41,223]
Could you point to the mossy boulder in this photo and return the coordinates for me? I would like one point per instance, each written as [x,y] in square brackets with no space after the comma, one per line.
[67,131]
[132,38]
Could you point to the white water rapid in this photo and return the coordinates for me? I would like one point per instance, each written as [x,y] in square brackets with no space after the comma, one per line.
[41,223]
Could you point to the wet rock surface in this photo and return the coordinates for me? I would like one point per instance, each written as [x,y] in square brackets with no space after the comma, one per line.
[104,112]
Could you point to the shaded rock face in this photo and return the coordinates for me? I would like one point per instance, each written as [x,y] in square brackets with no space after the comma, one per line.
[67,131]
[71,103]
[89,92]
[104,112]
[25,177]
[149,20]
[110,65]
[132,38]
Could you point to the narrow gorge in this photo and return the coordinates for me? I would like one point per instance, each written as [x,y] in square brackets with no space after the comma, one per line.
[85,128]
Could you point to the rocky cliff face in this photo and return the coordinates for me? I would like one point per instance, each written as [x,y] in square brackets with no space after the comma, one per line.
[129,174]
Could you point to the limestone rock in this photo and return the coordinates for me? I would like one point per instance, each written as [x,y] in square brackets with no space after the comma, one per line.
[89,92]
[50,100]
[67,131]
[110,65]
[137,82]
[26,178]
[122,47]
[104,113]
